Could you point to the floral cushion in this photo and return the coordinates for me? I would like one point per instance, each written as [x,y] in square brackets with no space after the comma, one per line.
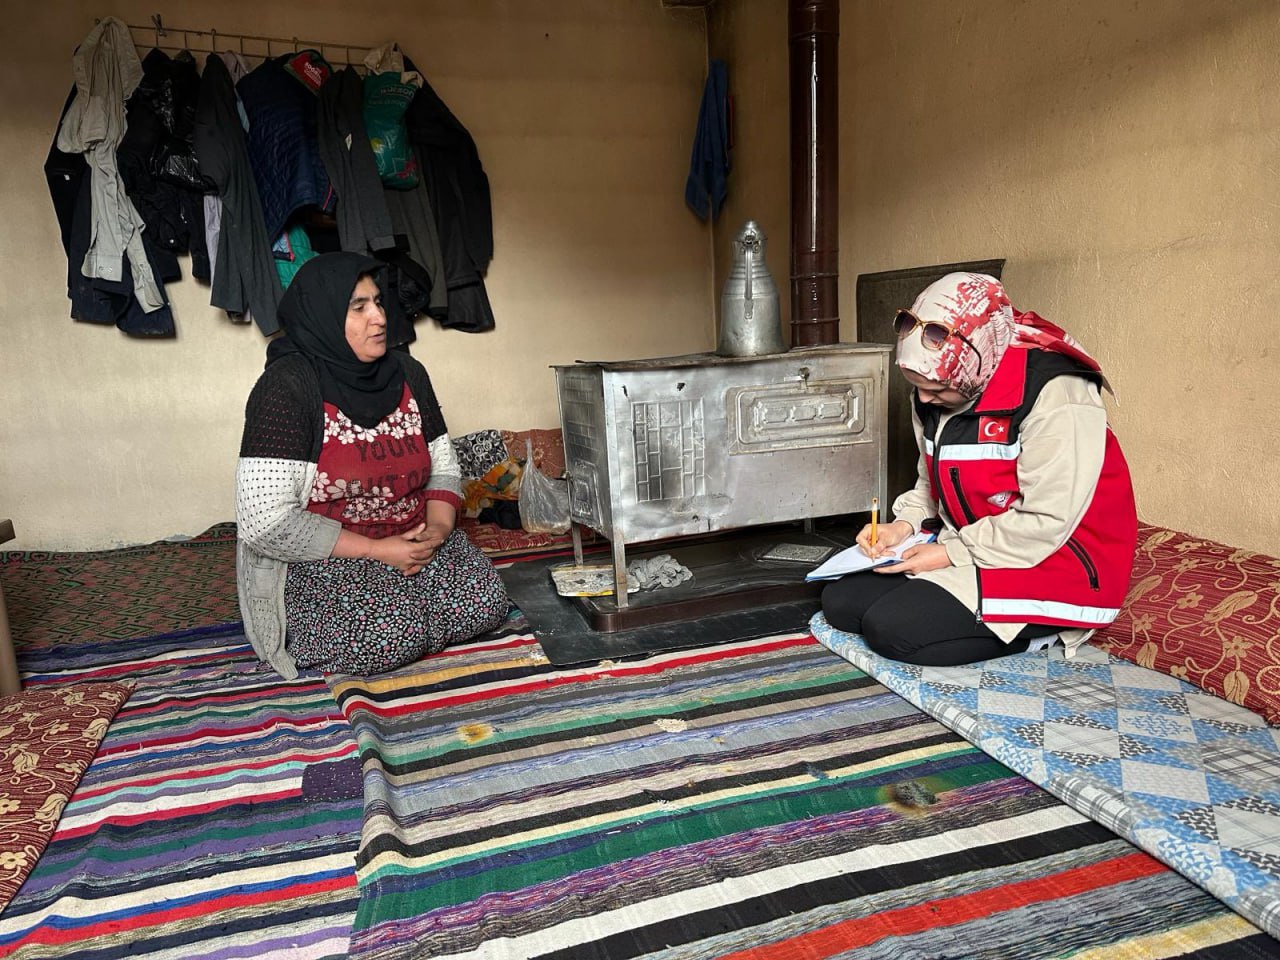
[1205,613]
[48,737]
[548,449]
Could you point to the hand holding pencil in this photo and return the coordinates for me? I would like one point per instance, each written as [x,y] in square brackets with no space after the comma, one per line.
[876,539]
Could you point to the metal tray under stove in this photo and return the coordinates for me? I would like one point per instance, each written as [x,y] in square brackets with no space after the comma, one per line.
[729,573]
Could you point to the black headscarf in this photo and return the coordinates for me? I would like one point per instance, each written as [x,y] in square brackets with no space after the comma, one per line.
[313,313]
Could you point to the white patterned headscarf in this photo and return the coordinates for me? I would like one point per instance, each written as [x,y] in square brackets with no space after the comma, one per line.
[984,325]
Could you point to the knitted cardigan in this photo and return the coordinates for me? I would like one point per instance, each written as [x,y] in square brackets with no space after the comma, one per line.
[283,434]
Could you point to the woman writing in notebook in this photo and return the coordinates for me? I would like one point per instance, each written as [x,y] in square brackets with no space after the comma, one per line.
[1018,465]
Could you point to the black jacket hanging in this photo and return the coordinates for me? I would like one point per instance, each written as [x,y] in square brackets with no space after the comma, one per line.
[245,278]
[364,226]
[459,195]
[157,164]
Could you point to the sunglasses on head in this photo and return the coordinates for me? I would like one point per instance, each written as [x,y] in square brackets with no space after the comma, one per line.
[934,334]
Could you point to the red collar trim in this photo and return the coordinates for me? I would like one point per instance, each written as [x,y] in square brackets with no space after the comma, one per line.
[1008,386]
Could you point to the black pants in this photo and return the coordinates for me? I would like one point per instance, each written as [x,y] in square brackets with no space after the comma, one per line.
[915,621]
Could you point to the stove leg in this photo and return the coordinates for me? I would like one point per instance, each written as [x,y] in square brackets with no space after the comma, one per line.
[577,543]
[808,525]
[619,574]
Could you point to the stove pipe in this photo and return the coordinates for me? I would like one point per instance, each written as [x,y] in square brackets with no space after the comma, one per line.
[813,28]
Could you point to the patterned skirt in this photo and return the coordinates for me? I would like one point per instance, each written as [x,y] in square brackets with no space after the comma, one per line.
[363,617]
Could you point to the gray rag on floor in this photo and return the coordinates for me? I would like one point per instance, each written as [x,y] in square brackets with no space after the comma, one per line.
[649,573]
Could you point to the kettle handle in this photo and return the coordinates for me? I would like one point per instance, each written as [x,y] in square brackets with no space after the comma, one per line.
[749,247]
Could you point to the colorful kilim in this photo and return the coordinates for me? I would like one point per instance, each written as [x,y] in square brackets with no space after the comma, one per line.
[1183,774]
[219,818]
[60,598]
[56,598]
[761,799]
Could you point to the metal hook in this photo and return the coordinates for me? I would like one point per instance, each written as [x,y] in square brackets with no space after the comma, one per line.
[295,44]
[160,31]
[213,39]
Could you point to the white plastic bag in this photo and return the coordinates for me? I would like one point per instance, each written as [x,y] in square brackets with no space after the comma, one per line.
[544,503]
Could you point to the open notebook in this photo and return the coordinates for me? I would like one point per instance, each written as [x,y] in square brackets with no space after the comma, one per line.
[852,559]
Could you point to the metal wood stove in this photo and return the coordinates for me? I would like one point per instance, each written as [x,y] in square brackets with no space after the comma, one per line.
[679,446]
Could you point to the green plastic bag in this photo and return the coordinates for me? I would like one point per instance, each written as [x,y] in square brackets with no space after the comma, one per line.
[386,99]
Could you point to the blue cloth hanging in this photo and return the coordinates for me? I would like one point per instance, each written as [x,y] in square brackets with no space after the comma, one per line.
[708,182]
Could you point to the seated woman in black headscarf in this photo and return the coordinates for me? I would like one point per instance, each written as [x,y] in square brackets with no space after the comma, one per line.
[347,491]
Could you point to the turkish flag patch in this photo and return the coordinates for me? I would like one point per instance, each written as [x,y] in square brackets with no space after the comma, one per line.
[993,429]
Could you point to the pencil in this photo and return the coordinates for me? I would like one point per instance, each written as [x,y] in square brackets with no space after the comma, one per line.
[875,515]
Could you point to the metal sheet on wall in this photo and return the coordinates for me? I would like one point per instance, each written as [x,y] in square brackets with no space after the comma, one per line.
[879,297]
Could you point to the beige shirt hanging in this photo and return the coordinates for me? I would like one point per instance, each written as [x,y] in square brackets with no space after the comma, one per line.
[107,71]
[389,58]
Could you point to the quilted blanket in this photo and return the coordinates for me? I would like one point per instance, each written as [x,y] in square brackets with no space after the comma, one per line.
[1192,779]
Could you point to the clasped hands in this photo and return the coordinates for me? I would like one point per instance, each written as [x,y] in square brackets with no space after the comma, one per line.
[412,550]
[918,559]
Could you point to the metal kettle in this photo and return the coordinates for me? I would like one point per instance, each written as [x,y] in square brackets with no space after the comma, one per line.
[750,320]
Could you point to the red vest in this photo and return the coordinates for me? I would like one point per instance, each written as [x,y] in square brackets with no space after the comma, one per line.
[973,469]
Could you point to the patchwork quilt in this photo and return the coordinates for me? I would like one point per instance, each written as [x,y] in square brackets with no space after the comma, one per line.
[1192,779]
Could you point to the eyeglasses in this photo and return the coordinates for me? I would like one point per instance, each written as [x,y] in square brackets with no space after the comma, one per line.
[934,334]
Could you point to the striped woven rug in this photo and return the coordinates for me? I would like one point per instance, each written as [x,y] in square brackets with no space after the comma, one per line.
[219,819]
[762,799]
